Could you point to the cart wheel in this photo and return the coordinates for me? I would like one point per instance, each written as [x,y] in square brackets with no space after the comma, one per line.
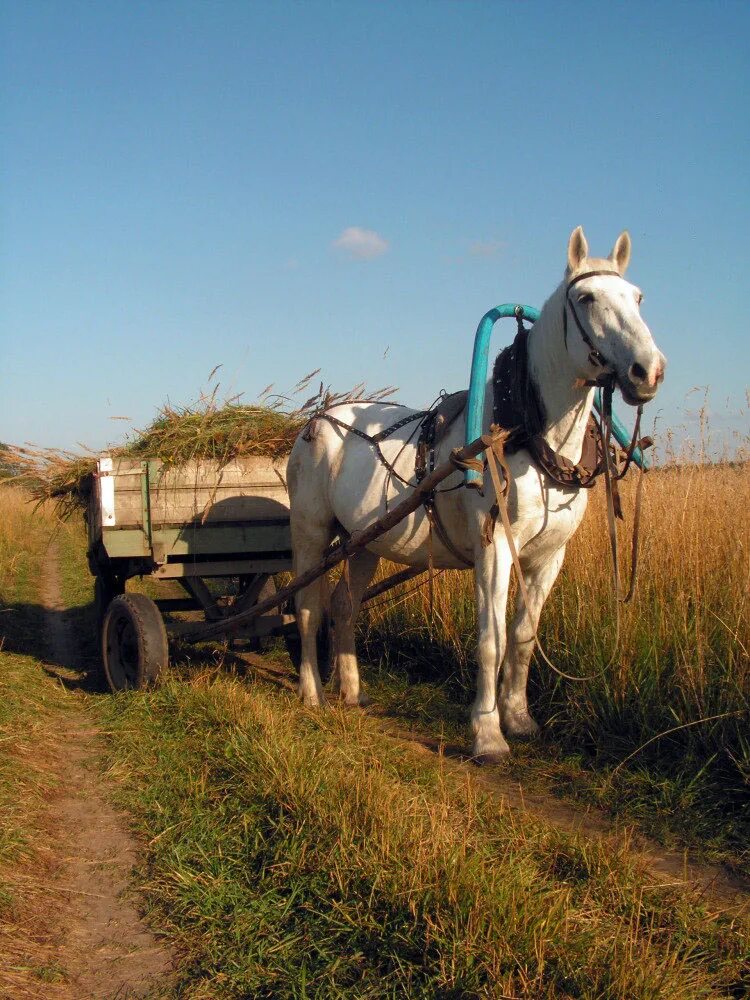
[134,643]
[105,591]
[324,644]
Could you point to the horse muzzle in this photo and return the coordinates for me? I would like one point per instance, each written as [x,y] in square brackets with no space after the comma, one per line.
[640,384]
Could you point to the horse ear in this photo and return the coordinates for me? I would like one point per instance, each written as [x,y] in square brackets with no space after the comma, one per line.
[621,251]
[578,248]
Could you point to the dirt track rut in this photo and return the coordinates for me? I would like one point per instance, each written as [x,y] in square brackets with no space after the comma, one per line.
[100,942]
[720,888]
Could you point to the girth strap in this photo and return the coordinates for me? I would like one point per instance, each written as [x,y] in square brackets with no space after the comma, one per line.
[425,463]
[436,522]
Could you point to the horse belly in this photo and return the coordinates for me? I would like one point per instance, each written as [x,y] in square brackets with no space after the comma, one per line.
[357,496]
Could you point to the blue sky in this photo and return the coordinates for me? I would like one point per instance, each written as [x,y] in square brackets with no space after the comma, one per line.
[175,178]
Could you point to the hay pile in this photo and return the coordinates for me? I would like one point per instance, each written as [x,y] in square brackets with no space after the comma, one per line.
[207,429]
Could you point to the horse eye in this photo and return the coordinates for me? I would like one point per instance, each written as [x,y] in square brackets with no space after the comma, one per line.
[639,298]
[586,297]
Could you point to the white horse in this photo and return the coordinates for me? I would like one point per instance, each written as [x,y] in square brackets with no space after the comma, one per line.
[337,481]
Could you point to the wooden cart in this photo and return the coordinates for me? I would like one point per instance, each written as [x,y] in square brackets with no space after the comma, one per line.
[195,524]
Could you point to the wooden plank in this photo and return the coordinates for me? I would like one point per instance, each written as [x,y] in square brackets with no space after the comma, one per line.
[228,567]
[201,507]
[210,505]
[193,540]
[218,539]
[204,474]
[263,625]
[124,543]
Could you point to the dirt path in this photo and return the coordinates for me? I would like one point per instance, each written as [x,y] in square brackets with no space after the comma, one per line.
[101,945]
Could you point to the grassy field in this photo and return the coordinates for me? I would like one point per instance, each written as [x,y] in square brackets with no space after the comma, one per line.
[298,854]
[682,668]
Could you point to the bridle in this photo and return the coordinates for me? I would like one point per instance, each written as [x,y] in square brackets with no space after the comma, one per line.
[596,358]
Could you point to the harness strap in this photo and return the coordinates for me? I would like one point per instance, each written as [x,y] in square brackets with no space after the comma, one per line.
[608,484]
[636,538]
[436,522]
[424,464]
[375,439]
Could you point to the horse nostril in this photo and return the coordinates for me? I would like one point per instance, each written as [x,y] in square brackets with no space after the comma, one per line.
[638,373]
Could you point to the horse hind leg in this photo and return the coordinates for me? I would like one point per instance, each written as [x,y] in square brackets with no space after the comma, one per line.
[539,578]
[345,605]
[309,543]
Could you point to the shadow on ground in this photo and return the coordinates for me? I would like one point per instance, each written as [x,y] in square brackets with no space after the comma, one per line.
[26,630]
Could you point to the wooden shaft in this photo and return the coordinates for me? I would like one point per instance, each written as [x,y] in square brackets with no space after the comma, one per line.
[357,541]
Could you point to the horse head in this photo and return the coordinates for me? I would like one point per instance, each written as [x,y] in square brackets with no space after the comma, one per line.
[604,331]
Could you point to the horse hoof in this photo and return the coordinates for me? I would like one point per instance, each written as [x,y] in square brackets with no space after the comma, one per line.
[489,759]
[521,729]
[362,702]
[311,701]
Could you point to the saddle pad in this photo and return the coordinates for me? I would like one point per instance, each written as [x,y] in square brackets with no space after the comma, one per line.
[448,411]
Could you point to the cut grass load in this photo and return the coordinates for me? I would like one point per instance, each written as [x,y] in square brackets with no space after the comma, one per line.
[208,429]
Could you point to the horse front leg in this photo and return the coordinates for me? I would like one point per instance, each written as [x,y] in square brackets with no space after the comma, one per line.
[345,605]
[491,576]
[539,578]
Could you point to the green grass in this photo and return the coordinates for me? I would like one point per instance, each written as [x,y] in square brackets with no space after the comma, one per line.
[28,699]
[681,802]
[30,707]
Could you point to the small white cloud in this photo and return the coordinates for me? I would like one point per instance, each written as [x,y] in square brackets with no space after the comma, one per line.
[485,248]
[362,243]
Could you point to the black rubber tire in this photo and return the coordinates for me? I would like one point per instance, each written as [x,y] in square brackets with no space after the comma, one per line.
[324,644]
[134,643]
